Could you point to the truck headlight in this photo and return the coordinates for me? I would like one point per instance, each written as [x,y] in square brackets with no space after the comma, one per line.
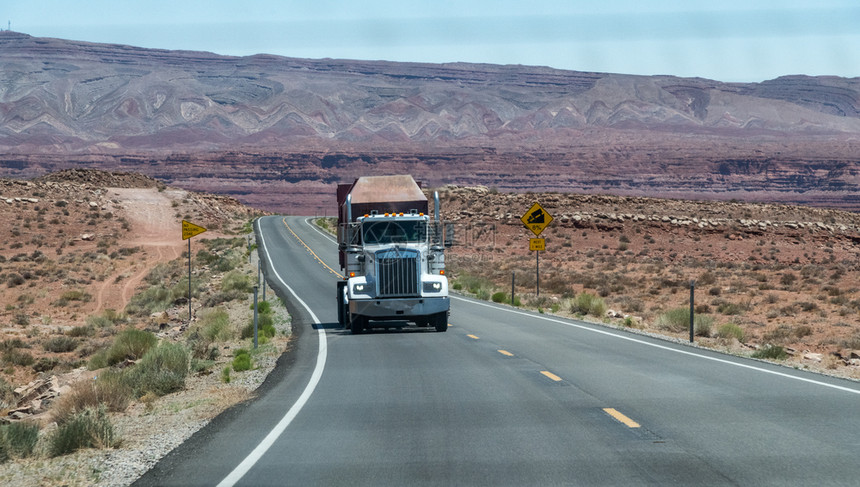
[359,288]
[432,287]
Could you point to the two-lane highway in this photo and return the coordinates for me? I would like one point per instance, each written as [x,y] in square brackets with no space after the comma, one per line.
[509,398]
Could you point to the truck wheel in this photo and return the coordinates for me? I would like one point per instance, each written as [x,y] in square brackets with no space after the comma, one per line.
[440,321]
[357,324]
[342,310]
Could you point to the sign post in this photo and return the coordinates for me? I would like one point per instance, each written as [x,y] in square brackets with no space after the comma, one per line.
[189,230]
[537,219]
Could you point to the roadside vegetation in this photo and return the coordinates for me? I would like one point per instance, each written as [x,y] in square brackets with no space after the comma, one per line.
[135,360]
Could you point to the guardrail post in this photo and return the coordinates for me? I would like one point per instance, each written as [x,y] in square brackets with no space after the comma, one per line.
[255,317]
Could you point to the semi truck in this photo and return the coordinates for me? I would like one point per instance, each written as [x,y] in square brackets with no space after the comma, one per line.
[392,255]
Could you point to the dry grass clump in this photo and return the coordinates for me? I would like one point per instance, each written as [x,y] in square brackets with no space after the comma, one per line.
[108,389]
[90,428]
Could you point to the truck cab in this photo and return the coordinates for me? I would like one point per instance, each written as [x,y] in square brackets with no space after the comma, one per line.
[394,267]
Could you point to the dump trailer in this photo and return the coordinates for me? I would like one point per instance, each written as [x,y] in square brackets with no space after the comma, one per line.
[392,254]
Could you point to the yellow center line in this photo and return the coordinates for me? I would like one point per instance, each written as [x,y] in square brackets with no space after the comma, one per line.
[506,353]
[622,418]
[473,337]
[551,375]
[338,274]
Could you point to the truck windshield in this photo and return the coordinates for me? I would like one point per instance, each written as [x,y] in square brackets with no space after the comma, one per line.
[386,232]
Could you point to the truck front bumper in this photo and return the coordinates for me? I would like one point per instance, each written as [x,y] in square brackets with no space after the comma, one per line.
[399,308]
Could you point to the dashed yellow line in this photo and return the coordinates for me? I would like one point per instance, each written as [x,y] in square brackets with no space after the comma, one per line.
[473,337]
[506,353]
[622,418]
[551,375]
[338,274]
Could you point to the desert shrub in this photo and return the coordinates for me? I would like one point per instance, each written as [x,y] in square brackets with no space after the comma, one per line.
[46,364]
[7,394]
[807,306]
[788,279]
[225,375]
[262,307]
[19,438]
[131,344]
[852,342]
[730,330]
[99,360]
[265,327]
[13,343]
[588,304]
[225,265]
[109,317]
[165,272]
[236,281]
[201,348]
[801,331]
[478,286]
[214,325]
[76,295]
[81,331]
[774,352]
[152,299]
[161,371]
[241,360]
[14,279]
[678,320]
[630,304]
[108,390]
[60,344]
[221,243]
[707,278]
[730,309]
[500,297]
[702,325]
[221,297]
[90,428]
[778,334]
[18,357]
[21,319]
[205,257]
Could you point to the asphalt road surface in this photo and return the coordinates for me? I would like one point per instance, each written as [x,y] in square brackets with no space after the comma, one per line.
[507,397]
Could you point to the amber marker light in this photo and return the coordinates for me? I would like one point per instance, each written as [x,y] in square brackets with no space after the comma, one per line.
[442,272]
[352,274]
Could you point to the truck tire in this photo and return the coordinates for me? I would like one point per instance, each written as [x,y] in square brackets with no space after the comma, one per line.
[357,324]
[342,310]
[440,321]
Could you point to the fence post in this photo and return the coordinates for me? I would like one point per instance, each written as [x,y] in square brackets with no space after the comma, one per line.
[692,307]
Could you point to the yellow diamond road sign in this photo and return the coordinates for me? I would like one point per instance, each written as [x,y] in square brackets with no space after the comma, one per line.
[536,219]
[189,230]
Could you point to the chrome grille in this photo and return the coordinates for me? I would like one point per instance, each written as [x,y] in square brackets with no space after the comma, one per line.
[397,273]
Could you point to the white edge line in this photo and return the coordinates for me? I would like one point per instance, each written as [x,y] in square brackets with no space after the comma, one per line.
[316,229]
[279,428]
[663,347]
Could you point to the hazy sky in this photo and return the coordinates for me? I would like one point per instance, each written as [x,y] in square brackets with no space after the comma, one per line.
[727,40]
